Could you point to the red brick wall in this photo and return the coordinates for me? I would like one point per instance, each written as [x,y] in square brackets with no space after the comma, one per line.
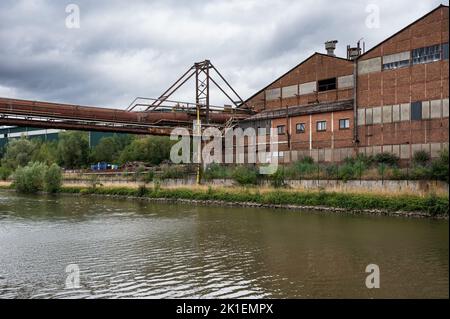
[317,67]
[333,137]
[421,82]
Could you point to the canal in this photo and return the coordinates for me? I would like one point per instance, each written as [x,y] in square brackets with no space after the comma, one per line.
[131,249]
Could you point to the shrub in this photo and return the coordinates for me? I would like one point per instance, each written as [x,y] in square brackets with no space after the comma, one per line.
[53,179]
[307,160]
[173,171]
[142,191]
[439,166]
[332,171]
[278,178]
[366,160]
[216,171]
[361,164]
[30,179]
[387,158]
[346,172]
[420,172]
[436,205]
[5,173]
[149,176]
[245,175]
[301,168]
[421,158]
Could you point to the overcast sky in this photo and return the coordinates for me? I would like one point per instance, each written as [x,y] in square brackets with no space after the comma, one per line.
[125,49]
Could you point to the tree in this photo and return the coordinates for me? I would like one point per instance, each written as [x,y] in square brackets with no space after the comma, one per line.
[53,179]
[109,148]
[153,150]
[73,149]
[45,152]
[19,152]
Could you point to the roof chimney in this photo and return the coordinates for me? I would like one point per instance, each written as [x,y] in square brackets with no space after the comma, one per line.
[330,46]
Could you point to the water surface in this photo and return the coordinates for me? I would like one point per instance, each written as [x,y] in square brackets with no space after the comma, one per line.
[132,249]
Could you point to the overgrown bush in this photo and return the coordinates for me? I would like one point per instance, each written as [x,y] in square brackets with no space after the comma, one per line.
[149,176]
[245,175]
[421,158]
[439,167]
[278,178]
[301,168]
[30,179]
[387,158]
[5,172]
[173,172]
[53,179]
[332,171]
[347,172]
[216,171]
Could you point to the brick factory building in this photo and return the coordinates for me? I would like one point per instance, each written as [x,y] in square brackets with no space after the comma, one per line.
[393,98]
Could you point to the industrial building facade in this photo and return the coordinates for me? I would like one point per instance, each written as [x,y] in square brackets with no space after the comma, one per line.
[393,98]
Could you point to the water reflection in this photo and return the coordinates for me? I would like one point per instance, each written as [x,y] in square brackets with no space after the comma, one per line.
[138,249]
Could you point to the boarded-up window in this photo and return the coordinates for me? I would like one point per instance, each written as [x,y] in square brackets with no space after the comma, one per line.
[289,91]
[416,111]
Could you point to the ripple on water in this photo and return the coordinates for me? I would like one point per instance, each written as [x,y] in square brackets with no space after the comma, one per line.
[130,250]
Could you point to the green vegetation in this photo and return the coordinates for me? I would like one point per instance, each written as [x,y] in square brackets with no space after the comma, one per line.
[432,204]
[30,179]
[19,152]
[5,173]
[53,179]
[109,149]
[36,177]
[152,150]
[245,175]
[216,171]
[73,149]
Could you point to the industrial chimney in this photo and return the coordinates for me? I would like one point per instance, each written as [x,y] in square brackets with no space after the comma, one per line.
[330,46]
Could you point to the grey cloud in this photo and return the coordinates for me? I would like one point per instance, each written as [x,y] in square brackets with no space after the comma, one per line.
[137,48]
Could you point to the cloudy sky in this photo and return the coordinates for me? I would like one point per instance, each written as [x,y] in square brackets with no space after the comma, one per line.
[124,49]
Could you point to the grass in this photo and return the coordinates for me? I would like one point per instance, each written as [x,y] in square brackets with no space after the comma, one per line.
[432,204]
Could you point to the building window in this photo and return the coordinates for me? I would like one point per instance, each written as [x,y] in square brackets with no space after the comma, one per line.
[344,124]
[445,51]
[321,126]
[426,54]
[395,65]
[327,85]
[300,127]
[281,129]
[416,111]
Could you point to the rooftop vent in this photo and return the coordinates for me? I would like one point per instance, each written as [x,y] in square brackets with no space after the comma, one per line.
[355,52]
[330,46]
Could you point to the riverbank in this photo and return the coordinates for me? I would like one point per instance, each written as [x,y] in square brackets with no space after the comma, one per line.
[375,204]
